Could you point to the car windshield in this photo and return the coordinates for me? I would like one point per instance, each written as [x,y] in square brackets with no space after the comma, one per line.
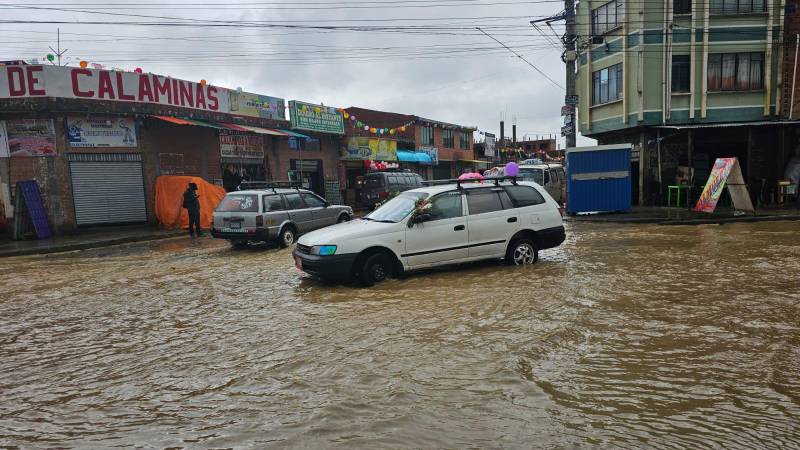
[239,203]
[534,175]
[397,208]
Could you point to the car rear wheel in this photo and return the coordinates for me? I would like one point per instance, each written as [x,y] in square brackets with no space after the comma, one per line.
[376,268]
[287,236]
[238,243]
[522,252]
[343,218]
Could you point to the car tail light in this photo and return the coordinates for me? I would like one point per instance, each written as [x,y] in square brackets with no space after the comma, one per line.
[259,221]
[383,194]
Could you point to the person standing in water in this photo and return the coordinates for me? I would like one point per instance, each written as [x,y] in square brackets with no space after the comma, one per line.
[191,201]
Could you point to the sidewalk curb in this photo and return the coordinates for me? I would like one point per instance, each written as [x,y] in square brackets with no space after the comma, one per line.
[90,244]
[709,221]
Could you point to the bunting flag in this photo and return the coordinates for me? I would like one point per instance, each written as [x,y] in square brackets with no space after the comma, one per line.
[374,130]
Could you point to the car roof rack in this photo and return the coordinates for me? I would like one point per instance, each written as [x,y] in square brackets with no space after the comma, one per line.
[266,185]
[458,182]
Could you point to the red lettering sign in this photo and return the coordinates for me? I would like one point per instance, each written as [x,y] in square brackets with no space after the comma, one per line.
[33,80]
[121,89]
[187,98]
[19,74]
[200,97]
[106,89]
[76,88]
[213,103]
[144,89]
[162,89]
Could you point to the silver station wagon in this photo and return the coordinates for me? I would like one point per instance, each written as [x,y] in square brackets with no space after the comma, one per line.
[273,215]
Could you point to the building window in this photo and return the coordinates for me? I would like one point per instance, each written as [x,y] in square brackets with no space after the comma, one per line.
[680,73]
[427,136]
[738,6]
[447,139]
[607,85]
[465,140]
[682,6]
[608,17]
[735,71]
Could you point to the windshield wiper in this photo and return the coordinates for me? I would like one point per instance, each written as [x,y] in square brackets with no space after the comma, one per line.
[379,220]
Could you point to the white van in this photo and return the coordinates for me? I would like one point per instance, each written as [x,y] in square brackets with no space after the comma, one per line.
[434,226]
[551,176]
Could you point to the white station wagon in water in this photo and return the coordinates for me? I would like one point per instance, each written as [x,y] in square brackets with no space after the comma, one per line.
[434,226]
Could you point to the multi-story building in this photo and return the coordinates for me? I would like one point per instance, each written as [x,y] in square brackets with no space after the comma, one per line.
[434,149]
[687,82]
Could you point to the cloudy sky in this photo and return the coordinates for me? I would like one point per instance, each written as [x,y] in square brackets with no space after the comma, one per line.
[423,57]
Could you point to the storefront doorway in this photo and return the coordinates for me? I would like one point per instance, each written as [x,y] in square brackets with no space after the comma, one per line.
[307,172]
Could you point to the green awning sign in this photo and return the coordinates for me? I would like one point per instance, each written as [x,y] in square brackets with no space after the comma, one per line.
[319,118]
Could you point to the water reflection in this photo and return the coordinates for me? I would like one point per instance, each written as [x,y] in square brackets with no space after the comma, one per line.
[626,336]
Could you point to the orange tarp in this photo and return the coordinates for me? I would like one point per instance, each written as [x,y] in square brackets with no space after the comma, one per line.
[169,200]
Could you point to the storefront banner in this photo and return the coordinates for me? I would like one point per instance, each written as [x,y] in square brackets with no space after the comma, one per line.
[254,105]
[31,137]
[310,117]
[726,171]
[3,141]
[244,146]
[93,84]
[98,132]
[433,152]
[362,148]
[489,145]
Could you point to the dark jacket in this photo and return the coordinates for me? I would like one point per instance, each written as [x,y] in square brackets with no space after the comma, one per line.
[191,200]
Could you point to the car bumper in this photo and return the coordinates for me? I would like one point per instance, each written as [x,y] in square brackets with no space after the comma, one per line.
[338,267]
[259,234]
[551,237]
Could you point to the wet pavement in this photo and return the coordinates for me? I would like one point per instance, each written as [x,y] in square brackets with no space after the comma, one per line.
[631,336]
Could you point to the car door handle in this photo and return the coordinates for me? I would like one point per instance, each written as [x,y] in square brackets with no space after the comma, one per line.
[459,228]
[511,219]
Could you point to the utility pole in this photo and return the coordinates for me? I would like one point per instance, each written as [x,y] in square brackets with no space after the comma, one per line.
[569,56]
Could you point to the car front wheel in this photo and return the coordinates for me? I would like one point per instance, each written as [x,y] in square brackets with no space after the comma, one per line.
[376,268]
[522,252]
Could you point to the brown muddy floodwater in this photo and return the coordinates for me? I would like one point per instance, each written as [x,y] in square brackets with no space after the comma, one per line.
[626,336]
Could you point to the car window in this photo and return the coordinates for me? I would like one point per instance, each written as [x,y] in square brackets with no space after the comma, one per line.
[312,200]
[393,181]
[504,198]
[528,174]
[397,208]
[554,174]
[273,203]
[546,176]
[294,202]
[375,181]
[446,206]
[483,201]
[239,203]
[524,195]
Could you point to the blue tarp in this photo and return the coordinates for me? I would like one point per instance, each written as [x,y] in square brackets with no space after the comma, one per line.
[417,157]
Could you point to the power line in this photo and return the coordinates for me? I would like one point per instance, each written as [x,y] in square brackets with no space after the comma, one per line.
[520,57]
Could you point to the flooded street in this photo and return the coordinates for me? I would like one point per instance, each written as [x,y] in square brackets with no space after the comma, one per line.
[627,336]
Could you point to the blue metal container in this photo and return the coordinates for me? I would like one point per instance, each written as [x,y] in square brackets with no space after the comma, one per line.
[599,179]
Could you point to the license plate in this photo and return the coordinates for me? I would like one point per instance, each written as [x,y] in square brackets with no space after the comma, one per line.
[236,225]
[298,262]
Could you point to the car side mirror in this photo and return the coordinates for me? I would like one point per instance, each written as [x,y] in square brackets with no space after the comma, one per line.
[327,204]
[423,218]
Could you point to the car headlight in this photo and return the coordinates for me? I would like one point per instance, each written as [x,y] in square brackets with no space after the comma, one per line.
[323,250]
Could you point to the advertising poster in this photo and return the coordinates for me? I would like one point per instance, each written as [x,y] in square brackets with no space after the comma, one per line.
[31,137]
[488,149]
[433,152]
[254,105]
[363,148]
[100,132]
[726,171]
[3,141]
[310,117]
[244,146]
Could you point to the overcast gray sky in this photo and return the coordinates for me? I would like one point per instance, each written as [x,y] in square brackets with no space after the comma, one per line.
[423,57]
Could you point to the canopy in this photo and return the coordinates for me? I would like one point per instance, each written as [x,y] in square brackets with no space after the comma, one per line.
[178,121]
[169,200]
[418,157]
[295,134]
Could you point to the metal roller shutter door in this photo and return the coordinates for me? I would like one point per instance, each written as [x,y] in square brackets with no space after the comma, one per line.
[108,192]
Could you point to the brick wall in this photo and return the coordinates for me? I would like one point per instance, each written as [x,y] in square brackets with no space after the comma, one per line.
[792,29]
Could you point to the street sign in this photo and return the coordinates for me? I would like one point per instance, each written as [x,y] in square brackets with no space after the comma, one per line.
[571,99]
[568,119]
[567,109]
[566,129]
